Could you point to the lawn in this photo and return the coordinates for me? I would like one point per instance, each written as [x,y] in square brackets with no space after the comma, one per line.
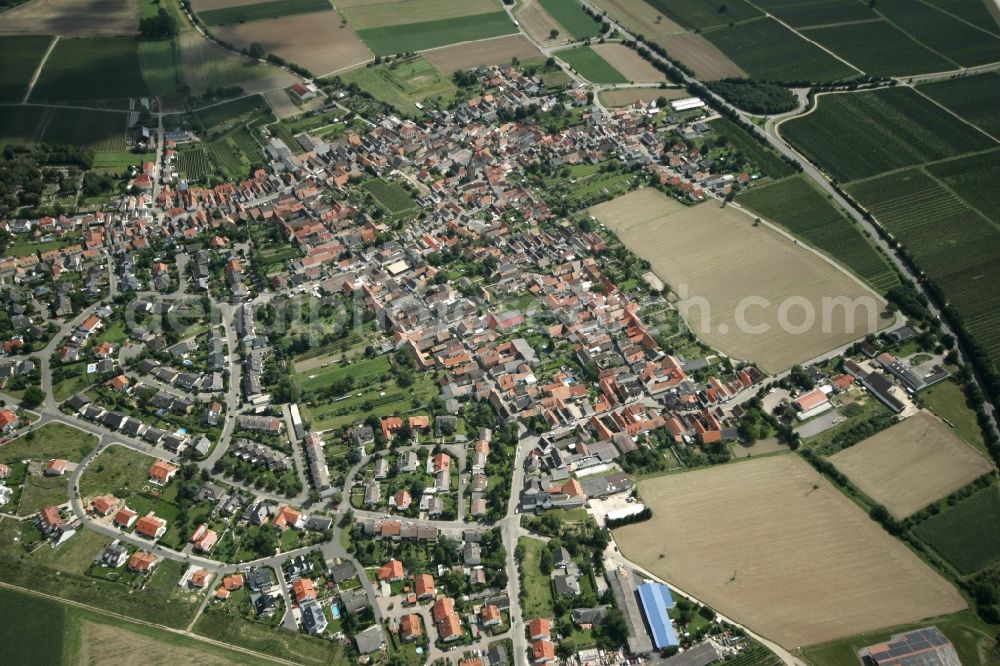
[371,402]
[52,440]
[389,40]
[588,64]
[948,401]
[797,205]
[570,15]
[768,51]
[858,135]
[116,162]
[91,69]
[975,98]
[41,492]
[117,470]
[262,10]
[966,534]
[321,378]
[390,196]
[879,48]
[536,591]
[31,628]
[21,57]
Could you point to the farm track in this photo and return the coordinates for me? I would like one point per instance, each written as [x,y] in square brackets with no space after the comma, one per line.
[38,70]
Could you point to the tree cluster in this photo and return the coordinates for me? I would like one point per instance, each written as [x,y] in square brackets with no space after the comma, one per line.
[753,96]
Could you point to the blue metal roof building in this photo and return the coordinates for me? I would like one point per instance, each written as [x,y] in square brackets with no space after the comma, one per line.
[656,601]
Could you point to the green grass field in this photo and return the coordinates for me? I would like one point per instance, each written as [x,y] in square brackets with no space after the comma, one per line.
[948,401]
[91,69]
[966,534]
[879,48]
[263,10]
[816,12]
[570,15]
[536,594]
[858,135]
[31,628]
[801,208]
[41,492]
[972,638]
[392,39]
[402,83]
[52,440]
[229,114]
[964,44]
[320,378]
[975,98]
[591,66]
[390,195]
[700,14]
[117,470]
[760,156]
[768,51]
[21,57]
[160,61]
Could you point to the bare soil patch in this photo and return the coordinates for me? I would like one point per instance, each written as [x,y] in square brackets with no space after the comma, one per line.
[911,464]
[627,96]
[745,290]
[488,52]
[628,62]
[775,546]
[316,41]
[539,24]
[282,104]
[72,18]
[701,55]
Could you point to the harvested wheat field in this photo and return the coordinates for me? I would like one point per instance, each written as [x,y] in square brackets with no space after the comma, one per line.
[207,65]
[396,12]
[627,96]
[639,18]
[628,62]
[496,51]
[911,464]
[538,23]
[701,55]
[72,18]
[748,291]
[319,41]
[773,545]
[101,643]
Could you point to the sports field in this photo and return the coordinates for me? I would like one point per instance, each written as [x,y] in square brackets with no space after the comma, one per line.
[770,543]
[496,51]
[262,11]
[21,58]
[570,15]
[91,69]
[911,464]
[768,51]
[857,135]
[975,98]
[628,63]
[587,63]
[72,18]
[879,48]
[750,305]
[393,39]
[968,533]
[797,205]
[701,55]
[321,42]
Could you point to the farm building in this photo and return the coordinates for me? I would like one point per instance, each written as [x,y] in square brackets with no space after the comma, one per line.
[812,403]
[927,646]
[656,601]
[687,104]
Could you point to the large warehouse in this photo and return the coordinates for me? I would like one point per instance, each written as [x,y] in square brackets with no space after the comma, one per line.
[656,602]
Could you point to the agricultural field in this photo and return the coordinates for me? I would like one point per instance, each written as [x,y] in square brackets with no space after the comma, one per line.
[973,11]
[21,58]
[539,24]
[838,573]
[91,69]
[19,124]
[227,115]
[206,65]
[193,163]
[768,51]
[911,465]
[364,15]
[282,104]
[160,62]
[948,401]
[52,440]
[966,534]
[858,135]
[570,15]
[262,10]
[32,628]
[392,39]
[879,48]
[639,18]
[628,63]
[703,57]
[321,42]
[973,179]
[953,243]
[964,44]
[629,96]
[403,83]
[798,206]
[497,51]
[701,252]
[698,14]
[975,98]
[804,13]
[761,156]
[587,63]
[72,18]
[390,196]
